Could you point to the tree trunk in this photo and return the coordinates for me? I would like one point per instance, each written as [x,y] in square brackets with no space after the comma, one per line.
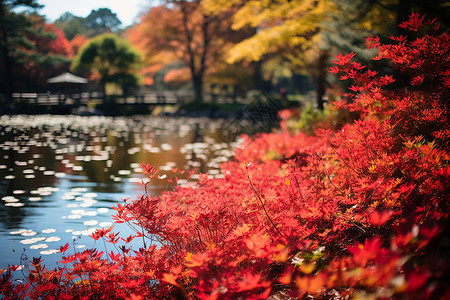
[197,80]
[197,69]
[257,76]
[103,90]
[321,78]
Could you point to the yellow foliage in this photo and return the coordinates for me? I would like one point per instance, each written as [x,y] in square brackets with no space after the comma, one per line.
[284,26]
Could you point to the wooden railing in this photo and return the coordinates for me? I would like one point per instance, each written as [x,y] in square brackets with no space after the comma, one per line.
[79,99]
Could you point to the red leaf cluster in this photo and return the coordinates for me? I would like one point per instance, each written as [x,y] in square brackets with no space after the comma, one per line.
[359,212]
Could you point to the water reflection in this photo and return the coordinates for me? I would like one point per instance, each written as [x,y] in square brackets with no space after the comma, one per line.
[60,175]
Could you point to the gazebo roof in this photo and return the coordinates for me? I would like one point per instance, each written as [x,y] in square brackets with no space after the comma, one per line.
[67,78]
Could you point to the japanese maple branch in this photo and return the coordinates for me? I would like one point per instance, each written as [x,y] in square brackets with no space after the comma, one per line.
[262,203]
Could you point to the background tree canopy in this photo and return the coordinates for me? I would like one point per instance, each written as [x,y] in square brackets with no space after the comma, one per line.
[110,59]
[28,53]
[183,32]
[208,45]
[97,22]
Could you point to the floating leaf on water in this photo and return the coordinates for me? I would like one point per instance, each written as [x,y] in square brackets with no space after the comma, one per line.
[46,189]
[73,217]
[20,231]
[166,147]
[10,177]
[81,246]
[90,213]
[213,172]
[72,205]
[44,193]
[77,168]
[87,204]
[28,232]
[182,181]
[90,223]
[124,172]
[194,163]
[30,176]
[32,241]
[18,192]
[100,157]
[49,230]
[105,224]
[3,166]
[90,195]
[134,150]
[135,179]
[14,204]
[48,252]
[88,231]
[102,210]
[69,230]
[79,189]
[213,165]
[52,239]
[28,171]
[154,150]
[39,246]
[34,199]
[60,174]
[138,170]
[49,173]
[10,199]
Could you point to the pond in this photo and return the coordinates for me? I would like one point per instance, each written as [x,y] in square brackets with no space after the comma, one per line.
[60,176]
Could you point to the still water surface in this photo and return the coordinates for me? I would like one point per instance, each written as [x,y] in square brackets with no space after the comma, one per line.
[61,175]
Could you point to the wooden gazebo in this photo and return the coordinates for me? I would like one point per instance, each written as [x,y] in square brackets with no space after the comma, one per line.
[66,80]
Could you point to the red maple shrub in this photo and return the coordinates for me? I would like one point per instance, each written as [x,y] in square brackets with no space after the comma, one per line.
[358,212]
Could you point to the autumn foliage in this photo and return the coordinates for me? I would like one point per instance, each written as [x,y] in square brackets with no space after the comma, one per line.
[357,212]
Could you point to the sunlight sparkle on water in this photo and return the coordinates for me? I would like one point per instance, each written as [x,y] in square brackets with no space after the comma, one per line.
[77,168]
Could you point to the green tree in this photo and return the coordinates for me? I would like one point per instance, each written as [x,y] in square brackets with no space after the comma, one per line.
[46,56]
[12,28]
[97,22]
[101,21]
[110,59]
[26,53]
[71,25]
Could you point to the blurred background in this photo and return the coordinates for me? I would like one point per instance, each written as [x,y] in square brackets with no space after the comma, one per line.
[200,51]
